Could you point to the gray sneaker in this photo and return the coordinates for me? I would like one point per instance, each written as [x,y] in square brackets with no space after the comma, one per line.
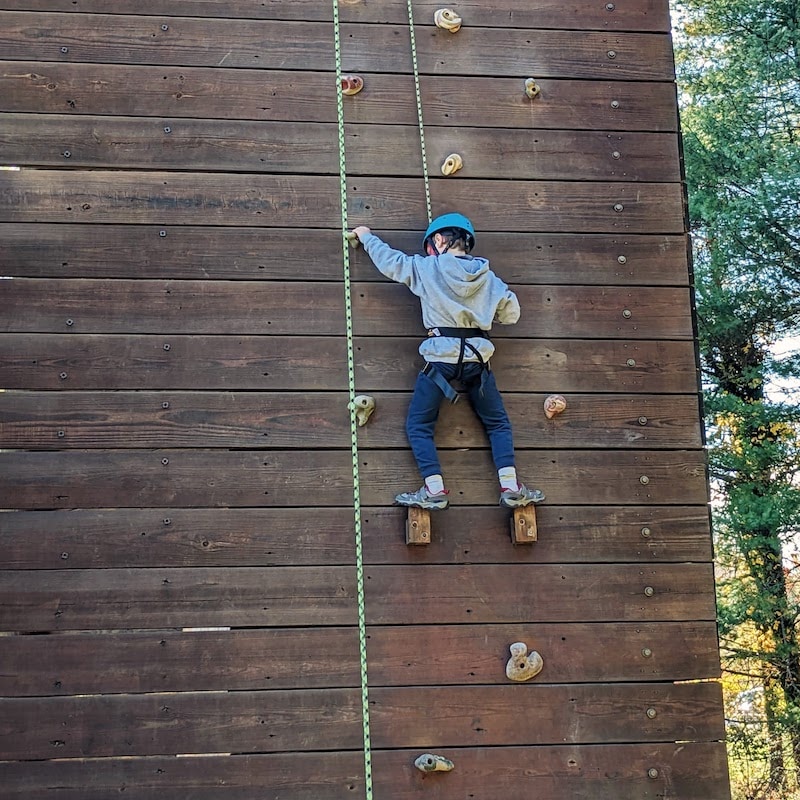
[522,497]
[422,498]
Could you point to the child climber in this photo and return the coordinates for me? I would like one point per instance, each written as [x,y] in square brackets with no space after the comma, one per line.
[460,298]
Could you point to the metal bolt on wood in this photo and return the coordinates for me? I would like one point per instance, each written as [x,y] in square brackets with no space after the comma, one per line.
[168,347]
[618,207]
[162,234]
[167,129]
[63,376]
[651,713]
[647,652]
[165,404]
[646,531]
[626,312]
[65,49]
[642,420]
[652,773]
[622,259]
[166,521]
[615,104]
[70,323]
[165,27]
[67,154]
[64,556]
[61,434]
[616,154]
[649,591]
[631,362]
[165,461]
[612,54]
[644,480]
[610,6]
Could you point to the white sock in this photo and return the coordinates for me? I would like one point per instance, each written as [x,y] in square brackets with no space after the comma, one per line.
[434,484]
[508,478]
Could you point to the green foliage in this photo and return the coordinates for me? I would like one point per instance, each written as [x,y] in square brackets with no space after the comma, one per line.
[739,84]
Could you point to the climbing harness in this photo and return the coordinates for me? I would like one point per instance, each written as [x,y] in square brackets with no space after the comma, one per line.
[362,626]
[462,334]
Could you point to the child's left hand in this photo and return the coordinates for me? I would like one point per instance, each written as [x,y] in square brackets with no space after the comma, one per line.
[361,231]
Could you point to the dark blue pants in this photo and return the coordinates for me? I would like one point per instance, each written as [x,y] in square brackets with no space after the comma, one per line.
[484,398]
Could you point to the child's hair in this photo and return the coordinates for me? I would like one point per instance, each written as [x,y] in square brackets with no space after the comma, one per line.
[455,238]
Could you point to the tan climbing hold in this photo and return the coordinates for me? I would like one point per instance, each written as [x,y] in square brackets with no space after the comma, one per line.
[452,164]
[352,239]
[554,405]
[428,762]
[447,19]
[522,666]
[352,84]
[364,406]
[532,89]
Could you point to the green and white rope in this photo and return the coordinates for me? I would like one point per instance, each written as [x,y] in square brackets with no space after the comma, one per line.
[351,386]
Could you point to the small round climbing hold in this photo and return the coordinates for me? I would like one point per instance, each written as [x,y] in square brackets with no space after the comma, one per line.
[447,19]
[352,84]
[452,164]
[532,89]
[554,404]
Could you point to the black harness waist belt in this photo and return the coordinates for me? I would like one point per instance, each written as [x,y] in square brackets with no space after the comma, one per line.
[460,333]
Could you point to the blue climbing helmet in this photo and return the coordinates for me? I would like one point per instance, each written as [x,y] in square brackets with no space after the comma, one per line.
[457,223]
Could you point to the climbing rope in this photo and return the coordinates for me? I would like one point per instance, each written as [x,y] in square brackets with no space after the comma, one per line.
[351,385]
[415,66]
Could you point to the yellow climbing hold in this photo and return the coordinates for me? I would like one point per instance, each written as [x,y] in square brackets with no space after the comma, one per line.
[447,19]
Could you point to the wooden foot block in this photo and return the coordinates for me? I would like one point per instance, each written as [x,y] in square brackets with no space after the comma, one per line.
[418,526]
[523,525]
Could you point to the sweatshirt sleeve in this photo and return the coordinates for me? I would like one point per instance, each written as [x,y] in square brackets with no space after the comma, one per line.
[507,312]
[393,263]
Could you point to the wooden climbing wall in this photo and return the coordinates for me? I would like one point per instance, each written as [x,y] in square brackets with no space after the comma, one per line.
[178,593]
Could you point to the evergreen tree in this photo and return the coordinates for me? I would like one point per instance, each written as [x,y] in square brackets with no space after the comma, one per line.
[739,87]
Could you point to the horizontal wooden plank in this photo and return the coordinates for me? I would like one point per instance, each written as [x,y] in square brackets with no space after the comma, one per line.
[134,251]
[67,361]
[306,45]
[309,308]
[305,201]
[181,537]
[427,594]
[282,658]
[84,420]
[645,15]
[419,717]
[192,478]
[48,87]
[175,598]
[308,148]
[689,770]
[185,661]
[62,600]
[212,722]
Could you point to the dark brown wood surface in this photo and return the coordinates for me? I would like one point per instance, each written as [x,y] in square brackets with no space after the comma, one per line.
[646,15]
[418,717]
[264,200]
[279,308]
[105,538]
[283,658]
[302,596]
[67,361]
[689,770]
[49,87]
[219,253]
[308,45]
[306,148]
[135,478]
[83,420]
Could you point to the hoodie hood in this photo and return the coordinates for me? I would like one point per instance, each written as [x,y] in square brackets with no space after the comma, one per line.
[465,276]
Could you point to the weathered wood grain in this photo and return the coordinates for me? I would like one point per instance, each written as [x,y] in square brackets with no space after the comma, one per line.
[48,87]
[305,201]
[219,253]
[281,308]
[175,598]
[135,478]
[420,717]
[266,44]
[67,361]
[65,600]
[691,770]
[184,537]
[282,658]
[308,148]
[188,722]
[191,661]
[85,420]
[645,15]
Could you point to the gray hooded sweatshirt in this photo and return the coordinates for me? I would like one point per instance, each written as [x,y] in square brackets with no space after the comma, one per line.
[454,292]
